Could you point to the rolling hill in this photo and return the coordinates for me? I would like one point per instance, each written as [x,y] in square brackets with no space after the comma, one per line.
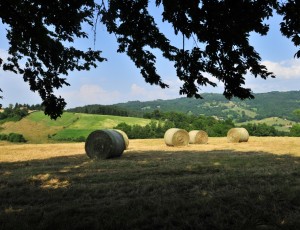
[39,128]
[274,108]
[265,105]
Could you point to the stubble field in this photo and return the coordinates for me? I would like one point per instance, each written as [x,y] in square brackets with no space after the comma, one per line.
[219,185]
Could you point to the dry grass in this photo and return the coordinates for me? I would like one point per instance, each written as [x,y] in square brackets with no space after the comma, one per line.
[35,132]
[276,145]
[219,185]
[27,152]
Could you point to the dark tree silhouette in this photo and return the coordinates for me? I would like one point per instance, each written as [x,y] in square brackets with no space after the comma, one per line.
[38,31]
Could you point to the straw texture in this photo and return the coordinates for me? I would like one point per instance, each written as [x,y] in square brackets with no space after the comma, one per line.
[176,137]
[198,137]
[236,135]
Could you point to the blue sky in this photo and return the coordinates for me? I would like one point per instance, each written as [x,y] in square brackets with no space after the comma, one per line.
[118,80]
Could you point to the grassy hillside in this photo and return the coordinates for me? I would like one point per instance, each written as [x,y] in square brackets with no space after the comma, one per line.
[278,123]
[274,108]
[38,128]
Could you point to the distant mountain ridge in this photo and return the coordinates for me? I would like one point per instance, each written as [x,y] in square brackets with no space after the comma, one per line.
[272,104]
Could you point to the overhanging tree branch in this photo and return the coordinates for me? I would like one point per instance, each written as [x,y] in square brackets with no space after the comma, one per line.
[38,33]
[221,28]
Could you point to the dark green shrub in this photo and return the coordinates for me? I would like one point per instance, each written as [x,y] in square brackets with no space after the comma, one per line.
[295,131]
[16,137]
[80,139]
[72,139]
[3,137]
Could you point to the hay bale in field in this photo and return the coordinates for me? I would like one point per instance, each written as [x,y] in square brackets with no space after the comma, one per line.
[104,144]
[198,137]
[236,135]
[125,137]
[176,137]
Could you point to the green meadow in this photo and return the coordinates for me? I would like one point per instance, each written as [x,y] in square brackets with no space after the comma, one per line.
[39,128]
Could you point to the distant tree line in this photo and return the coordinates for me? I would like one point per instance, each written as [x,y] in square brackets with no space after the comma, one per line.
[263,130]
[13,113]
[100,109]
[214,127]
[26,106]
[161,122]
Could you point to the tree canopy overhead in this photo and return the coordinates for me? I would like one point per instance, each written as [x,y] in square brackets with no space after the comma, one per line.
[42,32]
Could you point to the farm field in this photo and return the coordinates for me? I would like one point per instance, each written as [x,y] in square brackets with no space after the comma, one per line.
[219,185]
[38,128]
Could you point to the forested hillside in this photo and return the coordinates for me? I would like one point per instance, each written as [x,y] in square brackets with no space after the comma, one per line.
[100,109]
[272,104]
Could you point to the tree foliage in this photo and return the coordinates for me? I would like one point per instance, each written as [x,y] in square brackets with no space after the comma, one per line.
[164,121]
[295,131]
[40,32]
[12,137]
[13,113]
[265,105]
[263,130]
[297,113]
[100,109]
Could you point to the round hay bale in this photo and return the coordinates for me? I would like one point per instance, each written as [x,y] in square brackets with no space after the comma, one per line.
[236,135]
[104,144]
[125,137]
[176,137]
[198,137]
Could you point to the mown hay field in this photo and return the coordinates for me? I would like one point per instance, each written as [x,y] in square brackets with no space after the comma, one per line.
[219,185]
[271,145]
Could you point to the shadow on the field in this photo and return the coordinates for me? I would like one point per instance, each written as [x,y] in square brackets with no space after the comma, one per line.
[153,190]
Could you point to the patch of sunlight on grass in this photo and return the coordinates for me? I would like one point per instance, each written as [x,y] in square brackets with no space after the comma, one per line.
[143,162]
[41,177]
[6,173]
[70,168]
[46,182]
[11,210]
[55,184]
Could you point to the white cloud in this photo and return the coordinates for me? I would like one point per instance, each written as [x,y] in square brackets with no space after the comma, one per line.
[287,69]
[152,92]
[91,94]
[137,90]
